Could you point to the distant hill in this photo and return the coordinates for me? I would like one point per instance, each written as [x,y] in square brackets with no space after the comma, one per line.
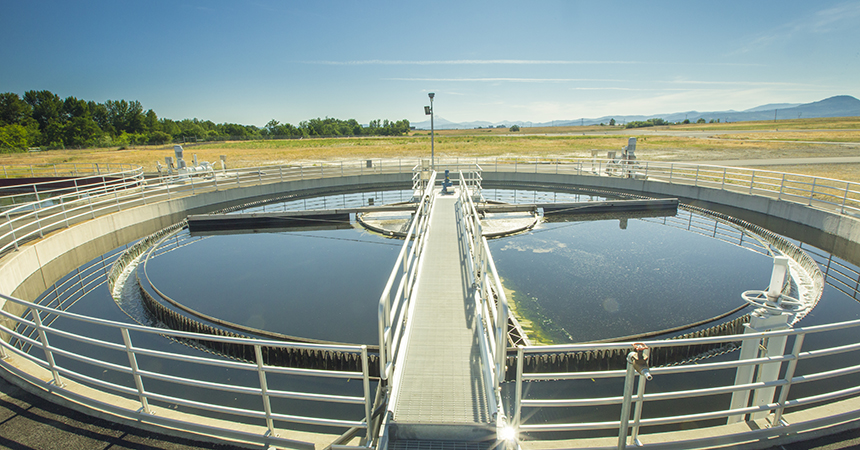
[838,106]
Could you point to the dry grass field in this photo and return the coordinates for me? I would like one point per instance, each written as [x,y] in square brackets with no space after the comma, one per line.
[753,140]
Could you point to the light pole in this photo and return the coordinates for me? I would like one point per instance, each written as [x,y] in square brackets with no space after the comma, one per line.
[429,110]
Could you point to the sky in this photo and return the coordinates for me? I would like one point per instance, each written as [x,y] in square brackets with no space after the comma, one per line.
[253,61]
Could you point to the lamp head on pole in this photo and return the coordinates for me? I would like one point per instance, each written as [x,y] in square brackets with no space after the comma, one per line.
[431,95]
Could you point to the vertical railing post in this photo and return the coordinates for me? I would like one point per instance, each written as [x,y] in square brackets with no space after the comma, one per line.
[625,404]
[789,374]
[365,380]
[723,184]
[264,389]
[671,167]
[844,198]
[637,411]
[518,395]
[781,187]
[12,229]
[812,191]
[191,178]
[696,182]
[49,355]
[135,370]
[752,181]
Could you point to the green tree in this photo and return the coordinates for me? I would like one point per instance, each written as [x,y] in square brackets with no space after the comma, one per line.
[701,120]
[515,128]
[14,138]
[13,109]
[612,122]
[47,108]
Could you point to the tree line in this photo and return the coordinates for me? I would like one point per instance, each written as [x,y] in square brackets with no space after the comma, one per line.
[43,119]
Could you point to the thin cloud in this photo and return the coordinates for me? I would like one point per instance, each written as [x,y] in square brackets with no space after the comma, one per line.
[823,21]
[520,62]
[603,80]
[505,79]
[395,62]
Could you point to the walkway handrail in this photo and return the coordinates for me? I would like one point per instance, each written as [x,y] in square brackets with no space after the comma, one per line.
[62,364]
[490,300]
[394,304]
[628,399]
[35,218]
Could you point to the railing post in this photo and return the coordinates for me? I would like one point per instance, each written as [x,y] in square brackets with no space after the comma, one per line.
[12,229]
[518,395]
[696,182]
[671,167]
[752,181]
[365,379]
[135,370]
[782,187]
[789,374]
[49,355]
[812,191]
[723,184]
[625,404]
[191,178]
[844,198]
[637,411]
[264,389]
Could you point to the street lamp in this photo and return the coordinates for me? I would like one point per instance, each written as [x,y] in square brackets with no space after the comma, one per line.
[428,110]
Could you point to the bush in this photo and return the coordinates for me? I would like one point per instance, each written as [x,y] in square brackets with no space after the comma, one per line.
[515,128]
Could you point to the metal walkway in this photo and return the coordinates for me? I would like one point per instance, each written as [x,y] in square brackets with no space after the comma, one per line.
[441,393]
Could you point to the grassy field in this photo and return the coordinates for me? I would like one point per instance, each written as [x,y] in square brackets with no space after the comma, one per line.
[808,138]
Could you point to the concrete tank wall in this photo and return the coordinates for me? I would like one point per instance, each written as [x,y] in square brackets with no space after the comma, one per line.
[29,272]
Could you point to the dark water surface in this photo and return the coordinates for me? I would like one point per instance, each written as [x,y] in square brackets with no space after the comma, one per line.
[313,284]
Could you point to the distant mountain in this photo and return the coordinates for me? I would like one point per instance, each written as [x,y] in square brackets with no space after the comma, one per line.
[838,106]
[772,106]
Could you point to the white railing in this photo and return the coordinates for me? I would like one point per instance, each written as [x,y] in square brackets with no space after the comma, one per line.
[491,304]
[30,220]
[395,301]
[695,388]
[51,209]
[108,347]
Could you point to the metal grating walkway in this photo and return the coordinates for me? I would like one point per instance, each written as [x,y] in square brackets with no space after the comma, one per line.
[442,382]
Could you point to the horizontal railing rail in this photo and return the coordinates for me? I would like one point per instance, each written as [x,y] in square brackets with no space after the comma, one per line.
[395,299]
[65,376]
[65,206]
[627,399]
[491,304]
[120,188]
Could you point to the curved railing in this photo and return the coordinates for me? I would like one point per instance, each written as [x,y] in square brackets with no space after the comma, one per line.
[134,376]
[26,220]
[127,189]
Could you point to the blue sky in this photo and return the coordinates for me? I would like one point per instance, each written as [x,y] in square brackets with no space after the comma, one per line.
[252,61]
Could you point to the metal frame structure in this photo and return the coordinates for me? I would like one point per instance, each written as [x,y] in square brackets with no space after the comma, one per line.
[48,207]
[491,304]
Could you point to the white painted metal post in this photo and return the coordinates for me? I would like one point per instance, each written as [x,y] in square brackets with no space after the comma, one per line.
[844,197]
[812,191]
[365,375]
[625,404]
[637,412]
[49,355]
[264,389]
[135,370]
[518,395]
